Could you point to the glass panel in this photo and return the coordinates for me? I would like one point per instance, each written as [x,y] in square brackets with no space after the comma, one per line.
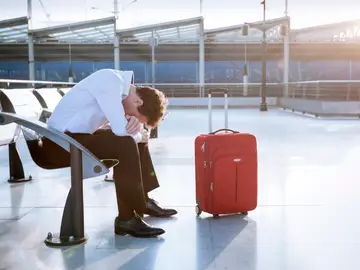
[138,68]
[81,70]
[294,74]
[102,65]
[174,72]
[15,70]
[187,71]
[355,73]
[324,70]
[56,71]
[224,71]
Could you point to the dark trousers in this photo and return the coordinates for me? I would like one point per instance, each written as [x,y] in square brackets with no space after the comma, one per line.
[134,176]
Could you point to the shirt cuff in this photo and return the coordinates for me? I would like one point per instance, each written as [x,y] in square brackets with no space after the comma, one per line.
[137,137]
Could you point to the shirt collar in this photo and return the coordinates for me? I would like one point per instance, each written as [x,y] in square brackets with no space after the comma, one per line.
[128,80]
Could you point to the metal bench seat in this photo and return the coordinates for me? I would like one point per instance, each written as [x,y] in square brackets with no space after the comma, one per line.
[83,165]
[24,103]
[48,97]
[21,111]
[63,91]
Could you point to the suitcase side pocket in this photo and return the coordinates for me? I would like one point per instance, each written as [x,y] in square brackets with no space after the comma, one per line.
[225,183]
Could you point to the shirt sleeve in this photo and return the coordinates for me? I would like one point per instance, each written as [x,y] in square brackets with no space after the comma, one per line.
[107,88]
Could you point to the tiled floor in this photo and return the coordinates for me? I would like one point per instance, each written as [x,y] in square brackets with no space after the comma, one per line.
[307,217]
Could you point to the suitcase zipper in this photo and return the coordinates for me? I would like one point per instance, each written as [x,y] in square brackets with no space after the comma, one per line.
[203,147]
[236,182]
[206,173]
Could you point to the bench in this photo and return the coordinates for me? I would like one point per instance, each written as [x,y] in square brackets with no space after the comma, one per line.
[83,165]
[29,103]
[24,103]
[63,91]
[48,97]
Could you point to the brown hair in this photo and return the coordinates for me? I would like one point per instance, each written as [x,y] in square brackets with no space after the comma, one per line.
[154,104]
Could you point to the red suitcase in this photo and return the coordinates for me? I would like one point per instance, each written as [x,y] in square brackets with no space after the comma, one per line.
[226,170]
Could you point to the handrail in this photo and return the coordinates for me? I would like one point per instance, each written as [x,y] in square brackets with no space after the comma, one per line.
[326,81]
[319,89]
[35,82]
[206,84]
[252,84]
[186,84]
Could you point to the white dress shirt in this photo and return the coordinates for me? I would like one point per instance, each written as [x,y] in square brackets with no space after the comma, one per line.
[94,102]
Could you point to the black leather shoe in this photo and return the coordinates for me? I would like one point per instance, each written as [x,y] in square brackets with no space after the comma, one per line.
[136,227]
[154,210]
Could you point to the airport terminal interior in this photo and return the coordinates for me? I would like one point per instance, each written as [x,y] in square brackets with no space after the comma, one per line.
[296,90]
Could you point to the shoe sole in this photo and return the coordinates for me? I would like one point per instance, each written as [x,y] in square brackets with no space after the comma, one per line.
[124,232]
[160,216]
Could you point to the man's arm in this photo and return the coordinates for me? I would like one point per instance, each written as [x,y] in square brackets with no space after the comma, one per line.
[107,88]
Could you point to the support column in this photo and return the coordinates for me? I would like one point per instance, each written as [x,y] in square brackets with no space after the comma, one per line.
[285,32]
[245,33]
[153,44]
[29,13]
[31,57]
[202,59]
[70,74]
[43,73]
[30,43]
[116,38]
[263,104]
[116,52]
[201,68]
[286,61]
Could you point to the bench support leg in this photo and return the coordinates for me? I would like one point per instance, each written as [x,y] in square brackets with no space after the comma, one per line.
[72,224]
[16,167]
[154,133]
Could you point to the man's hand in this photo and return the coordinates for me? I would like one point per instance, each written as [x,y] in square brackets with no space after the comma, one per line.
[133,125]
[144,136]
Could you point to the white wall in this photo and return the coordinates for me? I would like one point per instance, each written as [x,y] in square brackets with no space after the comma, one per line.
[321,108]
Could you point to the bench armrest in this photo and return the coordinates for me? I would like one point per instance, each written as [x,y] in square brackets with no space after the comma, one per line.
[92,167]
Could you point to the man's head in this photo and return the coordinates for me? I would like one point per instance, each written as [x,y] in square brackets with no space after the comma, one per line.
[146,103]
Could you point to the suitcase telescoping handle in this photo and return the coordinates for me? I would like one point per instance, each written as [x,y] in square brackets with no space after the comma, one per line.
[218,90]
[223,129]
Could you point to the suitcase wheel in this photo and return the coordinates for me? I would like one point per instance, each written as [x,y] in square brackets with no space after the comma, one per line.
[244,213]
[216,216]
[198,210]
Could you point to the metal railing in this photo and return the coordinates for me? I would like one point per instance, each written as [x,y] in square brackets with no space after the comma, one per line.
[330,90]
[7,83]
[334,90]
[235,89]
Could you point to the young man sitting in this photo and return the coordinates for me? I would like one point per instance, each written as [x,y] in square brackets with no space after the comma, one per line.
[107,98]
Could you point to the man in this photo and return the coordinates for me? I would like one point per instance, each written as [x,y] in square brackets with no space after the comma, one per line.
[105,112]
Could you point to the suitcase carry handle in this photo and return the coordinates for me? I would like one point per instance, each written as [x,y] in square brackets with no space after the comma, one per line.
[224,129]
